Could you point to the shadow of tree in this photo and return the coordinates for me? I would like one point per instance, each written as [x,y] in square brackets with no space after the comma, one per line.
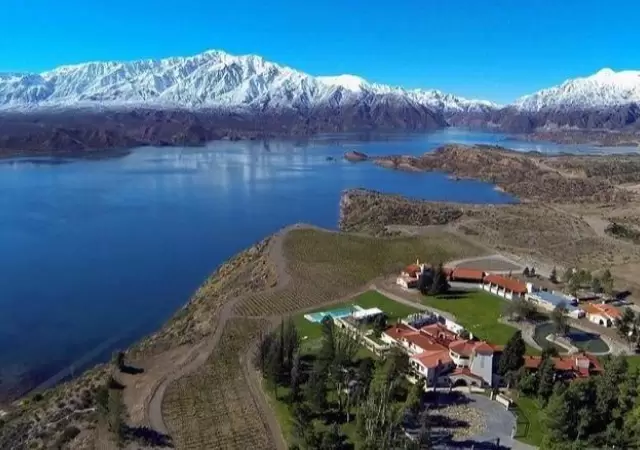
[148,436]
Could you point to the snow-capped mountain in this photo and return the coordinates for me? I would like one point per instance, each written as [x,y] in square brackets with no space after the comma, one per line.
[213,79]
[604,89]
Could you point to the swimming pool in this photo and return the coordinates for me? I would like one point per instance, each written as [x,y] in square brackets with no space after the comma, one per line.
[338,313]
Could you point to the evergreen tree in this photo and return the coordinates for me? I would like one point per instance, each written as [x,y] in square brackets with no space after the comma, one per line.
[295,378]
[559,319]
[607,282]
[315,390]
[624,325]
[512,357]
[525,272]
[425,281]
[596,285]
[440,284]
[546,380]
[567,275]
[413,403]
[532,272]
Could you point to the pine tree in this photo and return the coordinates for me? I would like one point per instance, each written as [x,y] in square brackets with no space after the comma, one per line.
[512,357]
[546,380]
[440,284]
[295,378]
[526,272]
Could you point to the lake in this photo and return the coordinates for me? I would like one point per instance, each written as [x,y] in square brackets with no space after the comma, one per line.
[94,254]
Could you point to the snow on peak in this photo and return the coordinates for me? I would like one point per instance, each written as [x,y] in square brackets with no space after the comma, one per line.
[350,82]
[213,78]
[605,88]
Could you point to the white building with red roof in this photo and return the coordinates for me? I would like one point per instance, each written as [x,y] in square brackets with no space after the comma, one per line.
[435,351]
[602,314]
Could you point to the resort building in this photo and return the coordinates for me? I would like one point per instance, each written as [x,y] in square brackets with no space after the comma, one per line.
[437,353]
[460,274]
[550,300]
[409,276]
[602,314]
[568,367]
[509,288]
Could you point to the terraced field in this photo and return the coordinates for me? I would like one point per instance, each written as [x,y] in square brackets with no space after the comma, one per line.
[327,266]
[212,408]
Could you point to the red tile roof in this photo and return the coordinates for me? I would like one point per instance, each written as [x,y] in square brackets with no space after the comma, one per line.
[467,348]
[439,331]
[581,365]
[399,330]
[424,342]
[432,359]
[467,274]
[412,269]
[511,284]
[602,309]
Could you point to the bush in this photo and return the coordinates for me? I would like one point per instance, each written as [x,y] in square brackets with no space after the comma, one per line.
[68,435]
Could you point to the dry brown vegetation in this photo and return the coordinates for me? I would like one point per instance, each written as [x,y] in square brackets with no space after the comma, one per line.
[249,271]
[529,176]
[213,407]
[326,266]
[45,421]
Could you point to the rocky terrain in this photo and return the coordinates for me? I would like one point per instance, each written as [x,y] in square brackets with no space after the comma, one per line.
[215,95]
[529,176]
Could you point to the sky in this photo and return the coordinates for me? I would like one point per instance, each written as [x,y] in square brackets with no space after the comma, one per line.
[489,49]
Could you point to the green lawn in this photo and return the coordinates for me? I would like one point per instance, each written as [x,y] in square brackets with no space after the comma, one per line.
[369,299]
[529,428]
[634,362]
[478,312]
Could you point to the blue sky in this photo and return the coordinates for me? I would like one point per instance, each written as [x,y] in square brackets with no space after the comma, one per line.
[494,49]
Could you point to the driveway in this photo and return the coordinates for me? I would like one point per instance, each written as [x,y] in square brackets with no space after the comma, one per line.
[499,425]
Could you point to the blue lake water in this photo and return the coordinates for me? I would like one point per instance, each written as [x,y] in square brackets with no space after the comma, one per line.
[95,254]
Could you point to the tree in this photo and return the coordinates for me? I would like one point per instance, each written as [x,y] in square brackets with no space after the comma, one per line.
[315,390]
[295,378]
[424,282]
[424,436]
[573,286]
[553,276]
[559,319]
[525,272]
[532,272]
[528,384]
[379,324]
[520,309]
[567,275]
[290,343]
[512,357]
[440,284]
[300,420]
[118,360]
[607,282]
[546,380]
[596,285]
[413,403]
[625,324]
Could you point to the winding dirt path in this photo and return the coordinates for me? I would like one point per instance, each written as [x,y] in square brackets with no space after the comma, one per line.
[200,354]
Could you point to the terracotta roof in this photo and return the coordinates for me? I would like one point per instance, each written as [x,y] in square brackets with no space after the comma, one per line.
[466,372]
[580,364]
[399,330]
[511,284]
[467,348]
[432,359]
[602,309]
[424,342]
[412,269]
[439,331]
[467,274]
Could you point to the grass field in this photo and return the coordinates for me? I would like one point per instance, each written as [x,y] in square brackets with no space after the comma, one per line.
[529,427]
[212,407]
[478,312]
[327,266]
[369,299]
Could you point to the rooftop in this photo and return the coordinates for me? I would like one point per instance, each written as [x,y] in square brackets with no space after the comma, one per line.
[602,309]
[467,274]
[555,299]
[432,359]
[510,284]
[581,364]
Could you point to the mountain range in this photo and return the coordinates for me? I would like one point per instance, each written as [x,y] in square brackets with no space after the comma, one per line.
[215,94]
